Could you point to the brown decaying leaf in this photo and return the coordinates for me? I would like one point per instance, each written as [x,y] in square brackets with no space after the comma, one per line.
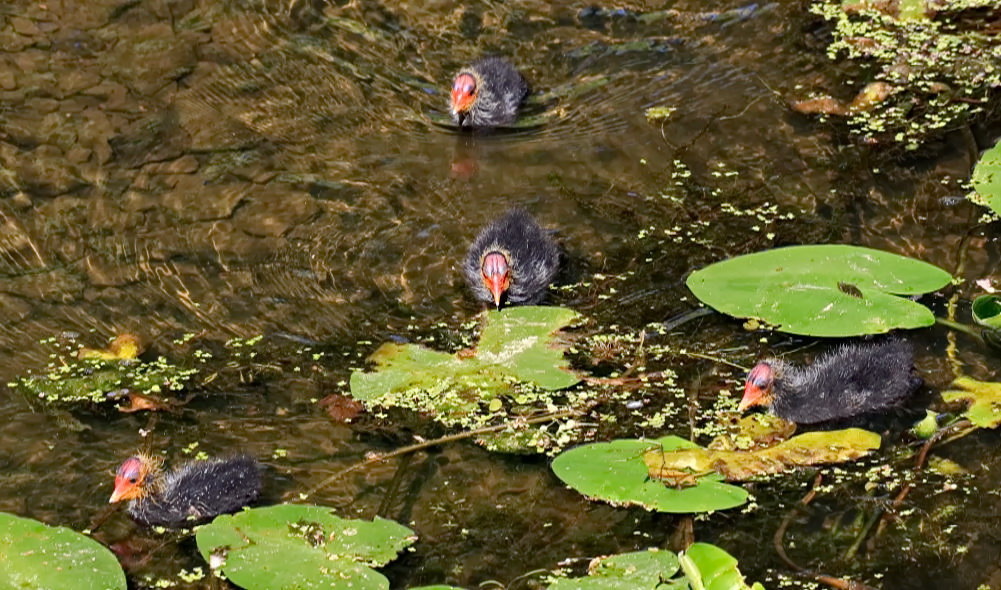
[812,448]
[341,408]
[752,432]
[139,402]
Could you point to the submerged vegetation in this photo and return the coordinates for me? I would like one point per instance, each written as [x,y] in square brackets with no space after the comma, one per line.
[926,66]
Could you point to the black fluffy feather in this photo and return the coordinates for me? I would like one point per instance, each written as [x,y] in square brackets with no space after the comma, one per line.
[198,491]
[849,381]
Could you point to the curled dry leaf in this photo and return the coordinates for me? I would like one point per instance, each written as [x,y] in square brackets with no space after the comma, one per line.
[341,408]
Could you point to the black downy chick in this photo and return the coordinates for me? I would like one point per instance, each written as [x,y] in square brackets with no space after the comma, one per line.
[487,93]
[513,259]
[194,492]
[850,381]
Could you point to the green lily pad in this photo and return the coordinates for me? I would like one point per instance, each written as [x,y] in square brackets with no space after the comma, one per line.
[714,569]
[987,311]
[812,448]
[825,290]
[615,472]
[36,555]
[639,570]
[300,546]
[703,566]
[987,178]
[984,399]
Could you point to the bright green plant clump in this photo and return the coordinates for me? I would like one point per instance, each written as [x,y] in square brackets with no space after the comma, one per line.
[299,546]
[824,290]
[78,375]
[36,555]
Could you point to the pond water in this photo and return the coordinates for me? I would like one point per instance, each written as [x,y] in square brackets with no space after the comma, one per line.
[231,169]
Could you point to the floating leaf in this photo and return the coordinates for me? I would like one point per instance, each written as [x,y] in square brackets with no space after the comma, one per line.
[987,178]
[812,448]
[300,546]
[615,472]
[715,569]
[825,290]
[984,399]
[754,431]
[639,570]
[516,344]
[36,555]
[704,566]
[987,311]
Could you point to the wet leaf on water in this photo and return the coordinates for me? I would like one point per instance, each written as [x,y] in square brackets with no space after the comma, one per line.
[987,178]
[702,566]
[300,546]
[987,311]
[798,289]
[812,448]
[516,345]
[716,569]
[638,570]
[754,431]
[616,473]
[36,555]
[983,397]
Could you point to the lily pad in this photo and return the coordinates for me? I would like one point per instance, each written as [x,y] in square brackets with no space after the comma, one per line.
[300,546]
[825,290]
[615,472]
[639,570]
[987,178]
[812,448]
[36,555]
[714,569]
[984,399]
[703,566]
[987,311]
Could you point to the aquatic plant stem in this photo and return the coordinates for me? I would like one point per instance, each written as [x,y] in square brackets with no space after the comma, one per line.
[777,540]
[377,458]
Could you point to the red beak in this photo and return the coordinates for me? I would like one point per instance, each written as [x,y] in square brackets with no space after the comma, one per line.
[757,388]
[122,487]
[497,285]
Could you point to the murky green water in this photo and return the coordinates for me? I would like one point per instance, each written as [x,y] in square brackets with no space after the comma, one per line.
[229,169]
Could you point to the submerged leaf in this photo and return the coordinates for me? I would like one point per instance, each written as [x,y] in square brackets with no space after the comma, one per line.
[984,400]
[125,347]
[812,448]
[826,290]
[615,472]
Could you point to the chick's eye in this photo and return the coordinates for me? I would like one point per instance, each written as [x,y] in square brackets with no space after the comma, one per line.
[133,480]
[468,88]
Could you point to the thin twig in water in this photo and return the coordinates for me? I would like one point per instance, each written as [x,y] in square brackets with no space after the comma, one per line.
[378,458]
